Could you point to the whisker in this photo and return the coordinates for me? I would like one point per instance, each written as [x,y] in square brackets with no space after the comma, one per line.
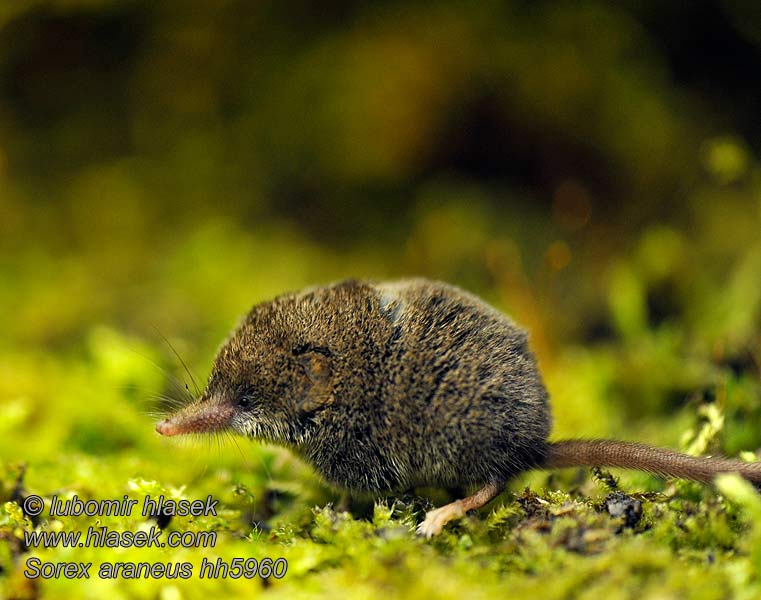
[182,362]
[168,401]
[156,404]
[235,441]
[175,382]
[265,468]
[152,403]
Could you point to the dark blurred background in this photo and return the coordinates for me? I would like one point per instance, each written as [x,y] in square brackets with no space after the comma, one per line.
[589,167]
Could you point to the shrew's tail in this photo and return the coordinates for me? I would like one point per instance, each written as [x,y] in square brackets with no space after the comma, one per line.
[631,455]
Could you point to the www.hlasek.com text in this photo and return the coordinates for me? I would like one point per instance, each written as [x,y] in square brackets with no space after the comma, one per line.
[103,537]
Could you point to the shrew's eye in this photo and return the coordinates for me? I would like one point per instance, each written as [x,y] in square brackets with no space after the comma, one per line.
[245,395]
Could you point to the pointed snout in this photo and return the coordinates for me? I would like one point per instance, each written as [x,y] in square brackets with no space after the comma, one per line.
[166,427]
[199,417]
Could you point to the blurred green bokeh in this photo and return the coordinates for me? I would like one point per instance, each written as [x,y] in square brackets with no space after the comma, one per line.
[590,168]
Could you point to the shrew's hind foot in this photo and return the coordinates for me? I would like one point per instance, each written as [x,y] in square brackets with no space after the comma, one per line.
[436,519]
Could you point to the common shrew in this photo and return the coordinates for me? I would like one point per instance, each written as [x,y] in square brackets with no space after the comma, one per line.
[388,386]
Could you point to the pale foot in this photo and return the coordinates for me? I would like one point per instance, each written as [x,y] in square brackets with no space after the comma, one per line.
[436,519]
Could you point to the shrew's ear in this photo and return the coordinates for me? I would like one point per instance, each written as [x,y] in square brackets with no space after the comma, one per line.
[317,367]
[316,363]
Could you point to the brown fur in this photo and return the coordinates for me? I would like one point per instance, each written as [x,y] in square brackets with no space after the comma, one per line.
[392,385]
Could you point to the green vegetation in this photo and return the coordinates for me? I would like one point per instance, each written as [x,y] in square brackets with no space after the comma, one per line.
[592,170]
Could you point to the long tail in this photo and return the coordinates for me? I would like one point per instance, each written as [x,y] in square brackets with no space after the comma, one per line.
[632,455]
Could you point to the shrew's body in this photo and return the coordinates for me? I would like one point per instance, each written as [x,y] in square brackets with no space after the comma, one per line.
[385,386]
